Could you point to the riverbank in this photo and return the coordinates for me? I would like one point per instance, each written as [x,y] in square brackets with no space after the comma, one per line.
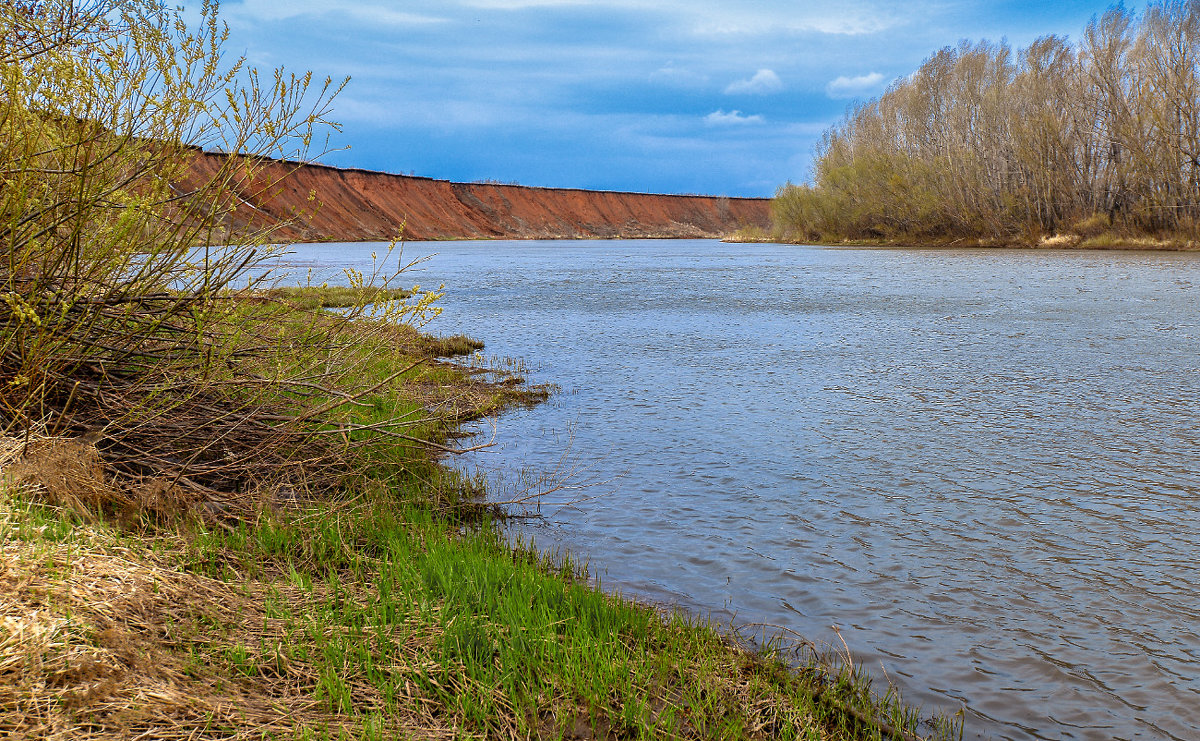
[391,608]
[1103,241]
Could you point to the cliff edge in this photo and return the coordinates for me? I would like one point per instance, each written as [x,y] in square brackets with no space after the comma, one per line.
[352,205]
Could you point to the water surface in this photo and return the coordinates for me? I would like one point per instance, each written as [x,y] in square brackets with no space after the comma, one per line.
[977,467]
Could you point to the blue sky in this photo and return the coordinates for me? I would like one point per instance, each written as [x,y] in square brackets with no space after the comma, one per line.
[679,96]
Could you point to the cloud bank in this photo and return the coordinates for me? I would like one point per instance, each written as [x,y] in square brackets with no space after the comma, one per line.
[611,94]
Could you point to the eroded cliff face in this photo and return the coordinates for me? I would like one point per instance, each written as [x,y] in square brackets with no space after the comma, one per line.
[358,205]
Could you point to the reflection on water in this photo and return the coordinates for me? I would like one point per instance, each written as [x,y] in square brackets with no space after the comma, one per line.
[980,466]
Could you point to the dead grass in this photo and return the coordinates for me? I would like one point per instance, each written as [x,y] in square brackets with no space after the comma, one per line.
[71,474]
[65,472]
[1059,241]
[1118,241]
[102,638]
[90,647]
[749,235]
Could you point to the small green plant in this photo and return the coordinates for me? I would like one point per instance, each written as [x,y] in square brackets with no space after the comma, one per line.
[331,297]
[132,317]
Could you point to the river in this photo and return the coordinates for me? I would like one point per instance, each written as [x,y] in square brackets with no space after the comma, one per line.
[978,468]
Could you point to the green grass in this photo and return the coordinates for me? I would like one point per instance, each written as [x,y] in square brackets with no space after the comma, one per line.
[511,643]
[334,297]
[381,612]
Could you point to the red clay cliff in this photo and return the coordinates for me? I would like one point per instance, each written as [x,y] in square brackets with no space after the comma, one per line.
[352,205]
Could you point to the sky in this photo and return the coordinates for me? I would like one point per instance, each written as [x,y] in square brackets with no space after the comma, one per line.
[722,97]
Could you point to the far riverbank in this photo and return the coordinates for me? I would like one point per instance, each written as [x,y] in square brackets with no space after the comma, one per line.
[320,203]
[1104,241]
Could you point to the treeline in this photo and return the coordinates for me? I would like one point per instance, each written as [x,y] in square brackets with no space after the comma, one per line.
[1093,141]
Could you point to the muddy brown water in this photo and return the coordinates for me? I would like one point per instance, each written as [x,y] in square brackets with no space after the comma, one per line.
[978,468]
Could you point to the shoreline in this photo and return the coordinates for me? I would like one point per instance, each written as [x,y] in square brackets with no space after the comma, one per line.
[392,608]
[1059,242]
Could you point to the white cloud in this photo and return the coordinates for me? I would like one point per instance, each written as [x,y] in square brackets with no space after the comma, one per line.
[852,87]
[764,81]
[733,118]
[388,17]
[376,15]
[522,4]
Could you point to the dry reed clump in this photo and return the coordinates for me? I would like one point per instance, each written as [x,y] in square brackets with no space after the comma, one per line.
[70,473]
[207,403]
[1092,226]
[64,473]
[99,640]
[1059,241]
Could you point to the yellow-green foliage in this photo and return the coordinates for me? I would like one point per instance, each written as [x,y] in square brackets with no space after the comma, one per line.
[114,324]
[990,144]
[335,297]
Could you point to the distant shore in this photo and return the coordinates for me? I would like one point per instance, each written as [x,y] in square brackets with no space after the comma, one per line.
[319,203]
[1105,241]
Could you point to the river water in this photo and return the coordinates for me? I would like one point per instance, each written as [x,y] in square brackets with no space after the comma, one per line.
[978,468]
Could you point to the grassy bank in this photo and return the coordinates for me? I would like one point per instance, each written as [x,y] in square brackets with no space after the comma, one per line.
[390,609]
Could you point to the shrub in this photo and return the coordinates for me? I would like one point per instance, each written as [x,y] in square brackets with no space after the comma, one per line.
[121,323]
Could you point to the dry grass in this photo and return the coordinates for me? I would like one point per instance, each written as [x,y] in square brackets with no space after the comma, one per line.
[1059,241]
[89,648]
[65,472]
[86,651]
[1118,241]
[749,235]
[102,637]
[70,473]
